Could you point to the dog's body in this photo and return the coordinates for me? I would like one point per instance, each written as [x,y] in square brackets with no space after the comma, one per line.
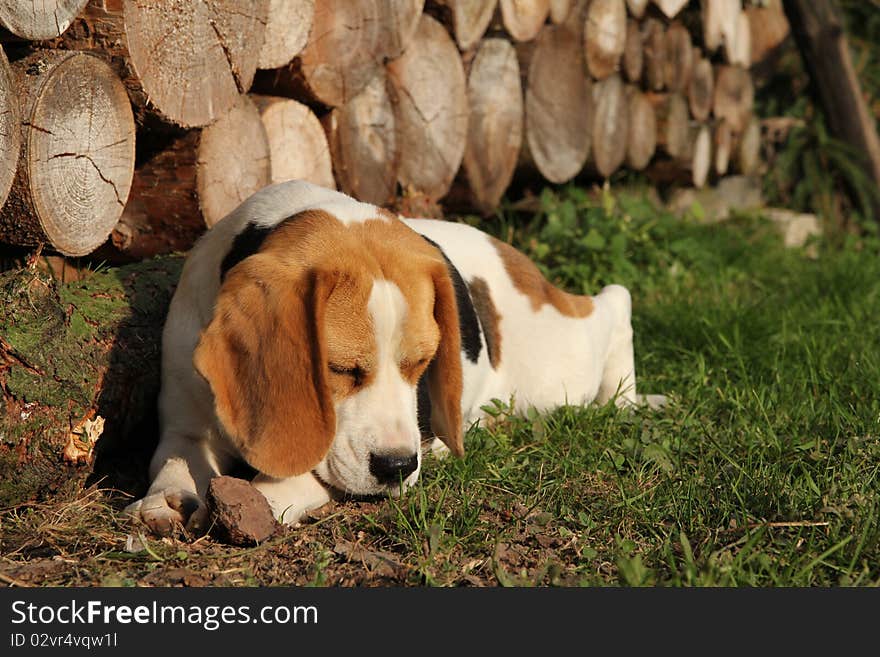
[319,339]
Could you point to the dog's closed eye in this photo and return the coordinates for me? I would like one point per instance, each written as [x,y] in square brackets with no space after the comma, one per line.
[354,372]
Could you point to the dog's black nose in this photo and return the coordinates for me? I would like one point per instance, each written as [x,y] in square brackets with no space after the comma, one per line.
[392,468]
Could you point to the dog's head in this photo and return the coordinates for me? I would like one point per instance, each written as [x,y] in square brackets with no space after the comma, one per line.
[317,344]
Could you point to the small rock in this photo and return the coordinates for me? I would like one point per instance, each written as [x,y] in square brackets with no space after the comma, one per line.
[241,514]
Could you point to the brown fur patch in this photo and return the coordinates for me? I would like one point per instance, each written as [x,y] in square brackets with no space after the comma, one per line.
[527,278]
[489,318]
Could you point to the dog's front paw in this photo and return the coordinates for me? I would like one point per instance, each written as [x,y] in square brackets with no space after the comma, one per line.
[171,510]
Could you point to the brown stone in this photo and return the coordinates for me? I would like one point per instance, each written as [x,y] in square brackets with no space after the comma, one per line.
[240,513]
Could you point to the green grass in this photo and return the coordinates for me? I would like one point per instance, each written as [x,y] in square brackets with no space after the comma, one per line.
[763,471]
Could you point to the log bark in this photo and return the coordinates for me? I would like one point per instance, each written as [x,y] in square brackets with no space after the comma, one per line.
[679,64]
[429,95]
[610,125]
[642,133]
[297,144]
[39,19]
[701,89]
[734,96]
[183,62]
[233,160]
[633,55]
[673,122]
[77,157]
[162,214]
[79,363]
[10,129]
[559,103]
[523,18]
[820,37]
[363,143]
[468,19]
[288,24]
[495,123]
[605,36]
[654,44]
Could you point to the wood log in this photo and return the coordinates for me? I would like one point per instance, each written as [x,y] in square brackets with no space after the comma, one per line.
[10,129]
[191,184]
[560,10]
[363,142]
[399,21]
[182,62]
[671,112]
[739,48]
[39,19]
[720,18]
[77,157]
[523,18]
[233,160]
[671,8]
[701,89]
[558,103]
[297,144]
[748,153]
[79,366]
[723,141]
[769,30]
[654,47]
[162,214]
[429,95]
[679,64]
[734,96]
[637,7]
[287,30]
[495,123]
[641,141]
[468,19]
[701,159]
[605,36]
[633,55]
[610,125]
[821,39]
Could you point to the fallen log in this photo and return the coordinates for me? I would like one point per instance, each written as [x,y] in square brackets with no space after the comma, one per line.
[79,375]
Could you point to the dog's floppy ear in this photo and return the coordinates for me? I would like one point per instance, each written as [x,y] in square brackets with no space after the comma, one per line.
[444,373]
[263,355]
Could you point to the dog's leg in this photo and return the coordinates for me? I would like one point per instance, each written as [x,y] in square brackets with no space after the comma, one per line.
[292,497]
[181,469]
[619,374]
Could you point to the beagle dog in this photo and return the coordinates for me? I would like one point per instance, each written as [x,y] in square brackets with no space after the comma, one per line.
[320,340]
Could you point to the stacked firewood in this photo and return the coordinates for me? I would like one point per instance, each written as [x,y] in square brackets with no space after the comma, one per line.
[135,125]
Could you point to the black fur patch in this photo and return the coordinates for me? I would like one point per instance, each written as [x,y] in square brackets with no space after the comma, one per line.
[245,244]
[468,324]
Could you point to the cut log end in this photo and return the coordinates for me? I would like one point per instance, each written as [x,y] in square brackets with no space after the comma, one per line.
[223,181]
[10,133]
[298,148]
[642,132]
[610,125]
[523,19]
[76,165]
[287,31]
[605,36]
[495,122]
[39,19]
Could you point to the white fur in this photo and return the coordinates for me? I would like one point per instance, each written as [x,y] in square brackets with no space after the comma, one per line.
[547,359]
